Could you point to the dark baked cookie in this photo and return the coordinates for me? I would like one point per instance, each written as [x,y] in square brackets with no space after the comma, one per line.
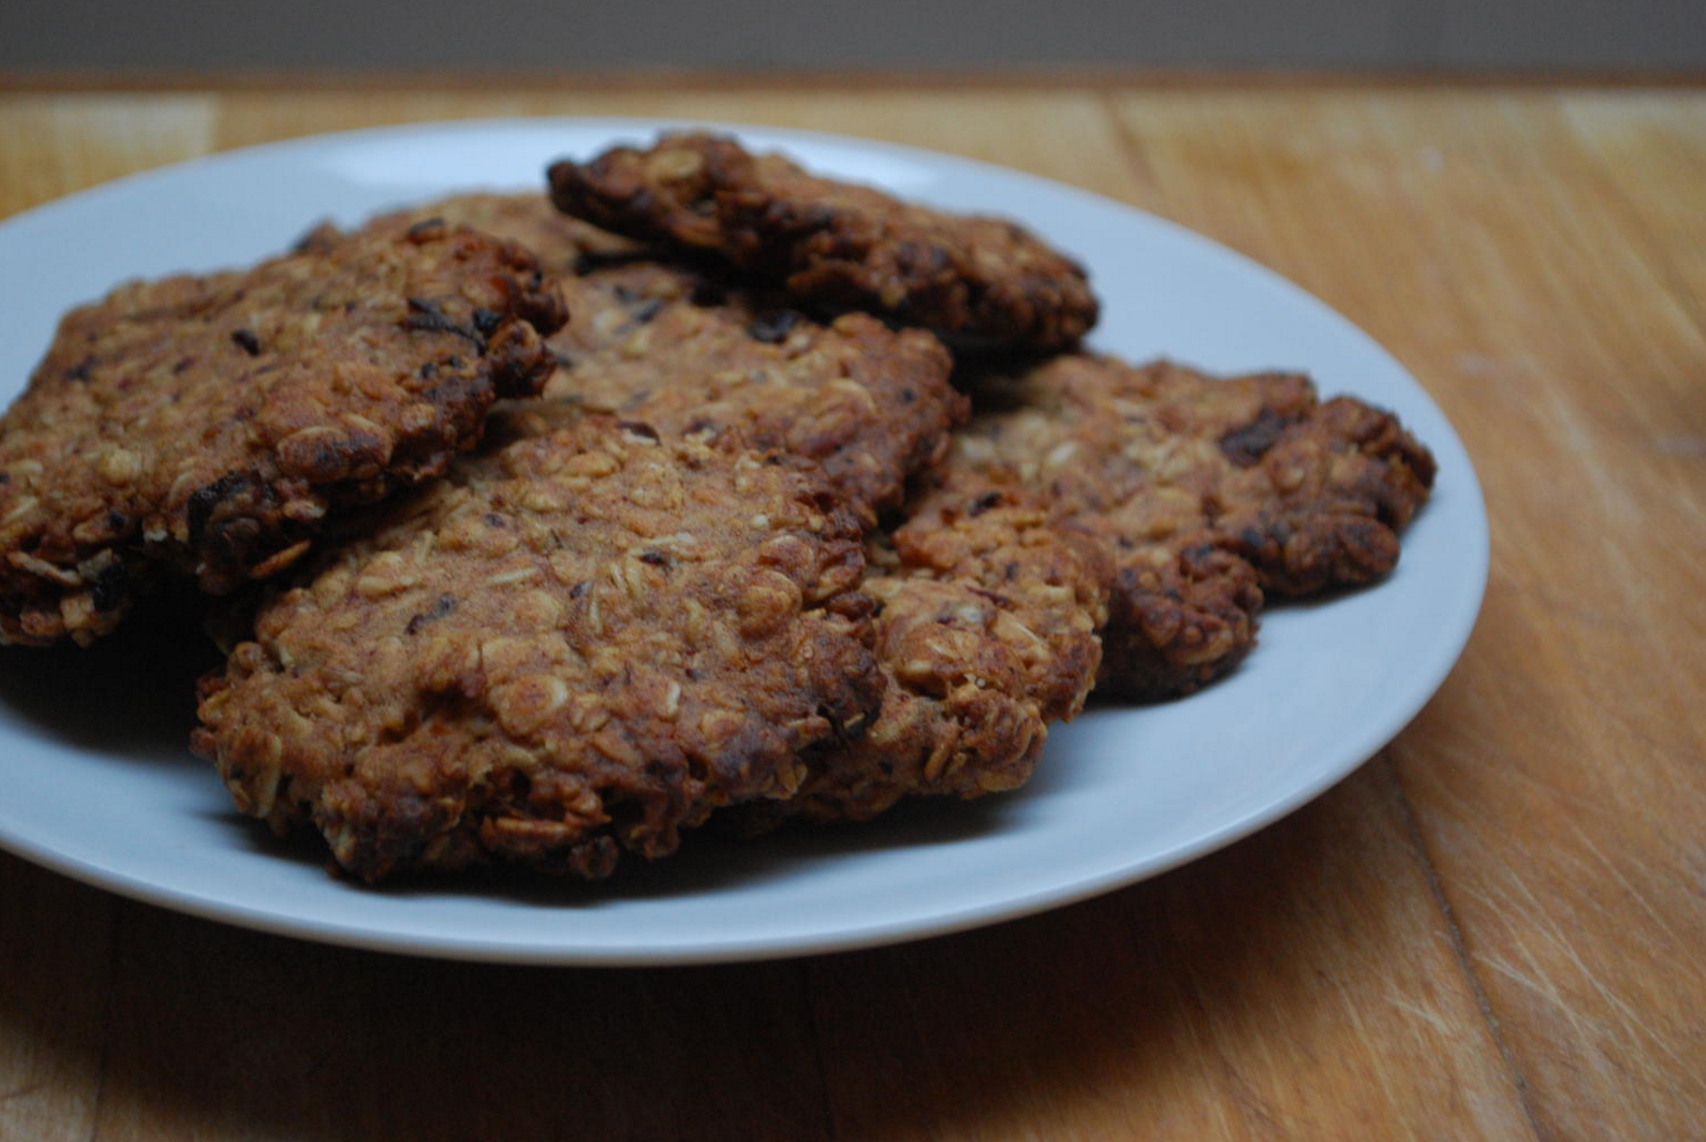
[684,350]
[209,423]
[986,631]
[1208,491]
[831,244]
[577,644]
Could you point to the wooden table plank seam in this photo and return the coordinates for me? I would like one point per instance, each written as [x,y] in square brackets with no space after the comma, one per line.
[1465,962]
[109,1000]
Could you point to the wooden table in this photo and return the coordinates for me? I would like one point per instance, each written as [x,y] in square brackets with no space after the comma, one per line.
[1494,929]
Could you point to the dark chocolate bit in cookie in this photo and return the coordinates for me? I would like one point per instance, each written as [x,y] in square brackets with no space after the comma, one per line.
[772,327]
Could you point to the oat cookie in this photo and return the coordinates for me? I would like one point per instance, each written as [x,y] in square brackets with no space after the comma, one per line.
[1209,491]
[831,244]
[577,644]
[989,609]
[686,351]
[869,404]
[209,423]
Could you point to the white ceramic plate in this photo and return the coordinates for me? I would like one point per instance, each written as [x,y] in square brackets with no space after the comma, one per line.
[98,784]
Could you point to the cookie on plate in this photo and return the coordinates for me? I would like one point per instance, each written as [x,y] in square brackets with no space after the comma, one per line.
[987,607]
[685,350]
[210,423]
[833,245]
[987,625]
[1208,491]
[870,404]
[579,643]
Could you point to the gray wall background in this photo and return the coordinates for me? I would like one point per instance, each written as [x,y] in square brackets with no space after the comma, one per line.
[563,36]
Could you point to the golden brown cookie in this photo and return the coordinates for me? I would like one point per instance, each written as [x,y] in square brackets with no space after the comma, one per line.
[210,423]
[833,245]
[578,643]
[1208,491]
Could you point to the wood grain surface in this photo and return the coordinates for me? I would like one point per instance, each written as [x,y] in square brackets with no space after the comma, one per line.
[1494,929]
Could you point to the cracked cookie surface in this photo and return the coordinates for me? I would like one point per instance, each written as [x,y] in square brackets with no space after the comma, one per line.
[832,244]
[208,423]
[1208,491]
[578,643]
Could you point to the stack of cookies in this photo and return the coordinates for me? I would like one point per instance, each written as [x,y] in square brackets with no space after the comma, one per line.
[699,488]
